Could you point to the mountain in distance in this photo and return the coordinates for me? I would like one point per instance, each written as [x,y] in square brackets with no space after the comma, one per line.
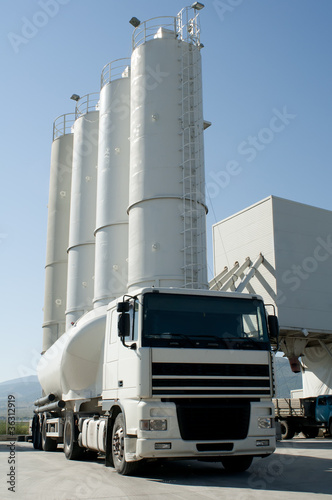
[26,390]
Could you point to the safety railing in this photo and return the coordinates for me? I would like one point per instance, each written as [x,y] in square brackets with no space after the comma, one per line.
[89,102]
[188,26]
[120,68]
[148,30]
[63,124]
[185,26]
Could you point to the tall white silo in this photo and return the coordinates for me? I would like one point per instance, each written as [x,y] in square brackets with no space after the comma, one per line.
[81,246]
[58,230]
[167,232]
[111,266]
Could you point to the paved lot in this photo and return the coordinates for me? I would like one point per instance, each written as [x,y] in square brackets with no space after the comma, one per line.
[300,469]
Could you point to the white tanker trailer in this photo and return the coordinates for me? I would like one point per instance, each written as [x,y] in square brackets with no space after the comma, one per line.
[151,364]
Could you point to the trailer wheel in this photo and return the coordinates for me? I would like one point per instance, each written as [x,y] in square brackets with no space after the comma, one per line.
[70,445]
[36,434]
[287,430]
[118,448]
[48,444]
[237,464]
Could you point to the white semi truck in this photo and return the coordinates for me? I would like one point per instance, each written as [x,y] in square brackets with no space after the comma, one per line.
[150,364]
[171,373]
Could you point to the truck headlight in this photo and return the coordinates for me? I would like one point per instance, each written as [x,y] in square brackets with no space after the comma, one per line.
[264,422]
[153,425]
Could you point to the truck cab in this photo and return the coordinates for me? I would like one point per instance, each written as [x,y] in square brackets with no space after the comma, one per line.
[191,373]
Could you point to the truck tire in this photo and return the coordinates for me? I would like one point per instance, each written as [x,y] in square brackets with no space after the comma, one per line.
[70,444]
[287,430]
[310,432]
[36,434]
[48,444]
[330,428]
[237,464]
[118,448]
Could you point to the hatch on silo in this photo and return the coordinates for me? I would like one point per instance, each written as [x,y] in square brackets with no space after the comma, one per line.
[164,33]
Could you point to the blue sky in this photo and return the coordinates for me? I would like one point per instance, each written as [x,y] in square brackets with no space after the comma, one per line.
[267,87]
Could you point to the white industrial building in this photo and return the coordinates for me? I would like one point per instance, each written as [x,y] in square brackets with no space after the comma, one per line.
[282,250]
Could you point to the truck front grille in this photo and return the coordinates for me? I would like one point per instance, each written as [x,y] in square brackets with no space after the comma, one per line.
[205,379]
[206,420]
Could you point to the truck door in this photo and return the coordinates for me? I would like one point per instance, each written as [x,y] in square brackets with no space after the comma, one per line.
[128,364]
[322,409]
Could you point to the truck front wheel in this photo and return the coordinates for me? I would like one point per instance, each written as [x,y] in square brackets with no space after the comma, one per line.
[118,448]
[310,432]
[237,464]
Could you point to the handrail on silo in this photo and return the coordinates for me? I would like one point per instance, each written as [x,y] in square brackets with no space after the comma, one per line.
[62,125]
[87,103]
[147,30]
[185,25]
[114,70]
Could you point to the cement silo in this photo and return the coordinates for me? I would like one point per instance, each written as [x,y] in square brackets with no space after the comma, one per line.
[111,266]
[166,163]
[57,230]
[81,246]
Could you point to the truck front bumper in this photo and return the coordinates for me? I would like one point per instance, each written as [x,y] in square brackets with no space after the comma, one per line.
[138,449]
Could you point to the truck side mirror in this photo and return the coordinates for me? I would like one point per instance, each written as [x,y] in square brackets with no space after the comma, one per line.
[124,325]
[122,307]
[273,324]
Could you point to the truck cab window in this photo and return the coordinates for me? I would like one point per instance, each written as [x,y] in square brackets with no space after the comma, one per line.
[133,313]
[214,322]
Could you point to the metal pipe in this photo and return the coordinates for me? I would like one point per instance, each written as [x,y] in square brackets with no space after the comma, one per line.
[213,284]
[233,275]
[45,400]
[250,273]
[58,405]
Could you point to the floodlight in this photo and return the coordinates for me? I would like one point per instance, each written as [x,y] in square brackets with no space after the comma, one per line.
[197,6]
[135,22]
[75,97]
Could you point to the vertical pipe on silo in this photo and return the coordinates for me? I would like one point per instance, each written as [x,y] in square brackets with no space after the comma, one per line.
[111,266]
[81,246]
[166,199]
[58,230]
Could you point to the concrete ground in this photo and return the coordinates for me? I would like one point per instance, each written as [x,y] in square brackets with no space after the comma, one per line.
[300,469]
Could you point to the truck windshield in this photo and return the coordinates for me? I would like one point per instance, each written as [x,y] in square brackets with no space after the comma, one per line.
[201,321]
